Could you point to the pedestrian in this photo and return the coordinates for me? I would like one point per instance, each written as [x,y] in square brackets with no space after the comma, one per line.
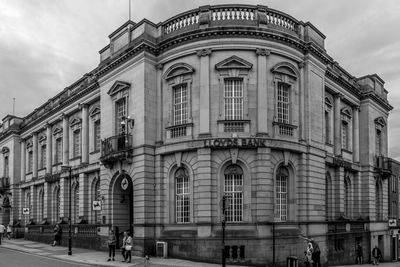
[112,241]
[316,254]
[127,247]
[57,235]
[308,255]
[9,231]
[376,255]
[359,253]
[2,229]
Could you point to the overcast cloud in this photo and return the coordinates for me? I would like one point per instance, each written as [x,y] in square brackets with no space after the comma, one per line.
[46,45]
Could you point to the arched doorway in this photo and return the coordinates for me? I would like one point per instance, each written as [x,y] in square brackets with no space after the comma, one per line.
[122,205]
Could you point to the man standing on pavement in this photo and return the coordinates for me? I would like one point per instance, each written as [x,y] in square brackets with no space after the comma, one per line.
[2,229]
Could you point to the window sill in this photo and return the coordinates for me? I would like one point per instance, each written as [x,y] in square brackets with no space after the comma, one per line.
[57,164]
[28,173]
[75,158]
[95,152]
[347,151]
[42,169]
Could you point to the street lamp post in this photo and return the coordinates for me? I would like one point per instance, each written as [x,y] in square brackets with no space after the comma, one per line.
[69,169]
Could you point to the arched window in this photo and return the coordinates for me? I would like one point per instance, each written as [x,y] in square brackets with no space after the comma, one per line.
[75,203]
[329,197]
[378,199]
[347,197]
[96,195]
[281,194]
[41,206]
[233,190]
[182,196]
[56,204]
[346,129]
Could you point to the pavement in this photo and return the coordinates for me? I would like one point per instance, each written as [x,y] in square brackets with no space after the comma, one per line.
[95,257]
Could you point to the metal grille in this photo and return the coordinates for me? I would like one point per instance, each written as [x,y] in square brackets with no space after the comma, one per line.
[182,196]
[233,99]
[233,127]
[285,130]
[281,197]
[283,103]
[120,111]
[77,143]
[180,104]
[97,140]
[178,131]
[233,189]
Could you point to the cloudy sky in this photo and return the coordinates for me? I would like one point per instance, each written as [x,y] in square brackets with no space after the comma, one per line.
[46,45]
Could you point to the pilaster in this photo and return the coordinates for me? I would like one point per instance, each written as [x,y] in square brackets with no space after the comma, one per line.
[49,149]
[204,55]
[262,106]
[35,155]
[84,192]
[65,139]
[337,123]
[23,160]
[356,135]
[85,133]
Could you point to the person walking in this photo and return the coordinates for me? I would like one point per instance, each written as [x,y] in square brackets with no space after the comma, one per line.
[112,241]
[128,248]
[359,253]
[57,235]
[316,254]
[308,255]
[9,231]
[2,229]
[376,255]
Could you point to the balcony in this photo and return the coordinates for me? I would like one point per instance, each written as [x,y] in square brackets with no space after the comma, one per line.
[383,165]
[4,184]
[116,148]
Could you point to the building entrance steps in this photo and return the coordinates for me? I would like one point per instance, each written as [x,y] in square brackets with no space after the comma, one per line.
[94,257]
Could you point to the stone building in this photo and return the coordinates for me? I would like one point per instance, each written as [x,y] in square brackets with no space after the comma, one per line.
[231,101]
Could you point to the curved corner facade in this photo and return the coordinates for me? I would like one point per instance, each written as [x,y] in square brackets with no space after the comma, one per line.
[230,102]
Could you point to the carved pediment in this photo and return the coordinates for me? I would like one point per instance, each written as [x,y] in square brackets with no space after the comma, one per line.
[233,62]
[346,111]
[177,70]
[57,130]
[5,150]
[118,86]
[74,121]
[95,109]
[286,68]
[42,138]
[380,121]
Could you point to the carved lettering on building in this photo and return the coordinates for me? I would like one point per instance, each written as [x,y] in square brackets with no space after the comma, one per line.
[234,142]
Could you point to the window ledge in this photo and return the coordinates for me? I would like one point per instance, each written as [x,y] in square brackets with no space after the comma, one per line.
[75,158]
[57,164]
[95,152]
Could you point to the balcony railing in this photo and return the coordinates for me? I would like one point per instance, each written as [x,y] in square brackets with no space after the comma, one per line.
[116,148]
[383,164]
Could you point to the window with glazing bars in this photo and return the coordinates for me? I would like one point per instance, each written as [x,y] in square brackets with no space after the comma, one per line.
[58,154]
[182,194]
[233,99]
[120,111]
[96,131]
[281,191]
[96,195]
[283,103]
[180,104]
[75,205]
[233,190]
[42,157]
[30,161]
[345,135]
[77,143]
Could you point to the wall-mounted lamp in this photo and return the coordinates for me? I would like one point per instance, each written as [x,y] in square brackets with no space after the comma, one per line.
[127,121]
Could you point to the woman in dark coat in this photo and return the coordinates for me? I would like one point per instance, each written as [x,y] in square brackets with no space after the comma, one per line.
[57,235]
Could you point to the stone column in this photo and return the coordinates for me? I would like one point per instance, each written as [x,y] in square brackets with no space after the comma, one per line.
[46,201]
[338,126]
[84,193]
[160,105]
[65,123]
[64,187]
[85,133]
[356,135]
[202,190]
[35,155]
[262,88]
[49,149]
[23,160]
[204,55]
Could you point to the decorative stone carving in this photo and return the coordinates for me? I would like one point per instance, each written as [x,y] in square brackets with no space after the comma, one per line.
[204,52]
[263,52]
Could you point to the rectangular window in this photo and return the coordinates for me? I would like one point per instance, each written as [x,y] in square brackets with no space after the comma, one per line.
[327,127]
[283,103]
[76,143]
[120,112]
[233,99]
[378,143]
[345,135]
[42,157]
[180,104]
[394,184]
[6,167]
[182,200]
[281,198]
[234,194]
[30,161]
[58,154]
[96,131]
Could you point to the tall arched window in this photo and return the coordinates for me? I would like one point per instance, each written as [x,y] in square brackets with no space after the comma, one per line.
[96,195]
[378,199]
[233,190]
[75,203]
[41,205]
[56,204]
[329,197]
[182,196]
[347,197]
[281,194]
